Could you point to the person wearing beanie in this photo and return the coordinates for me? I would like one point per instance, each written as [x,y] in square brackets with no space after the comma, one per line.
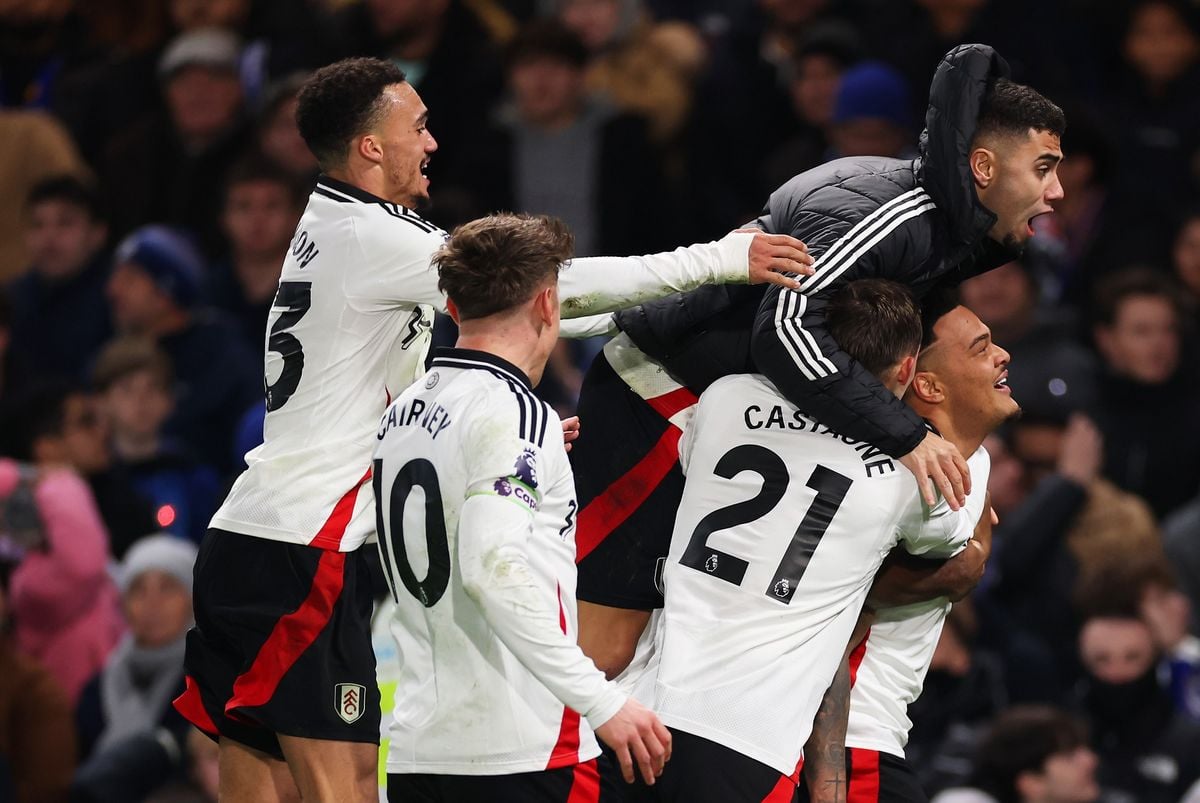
[133,693]
[154,292]
[871,115]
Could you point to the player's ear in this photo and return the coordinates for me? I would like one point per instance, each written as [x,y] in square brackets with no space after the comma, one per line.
[928,388]
[983,166]
[368,148]
[547,304]
[906,369]
[452,308]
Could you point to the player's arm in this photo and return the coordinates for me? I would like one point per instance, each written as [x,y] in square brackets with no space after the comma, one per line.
[495,533]
[591,285]
[905,578]
[792,346]
[825,751]
[602,325]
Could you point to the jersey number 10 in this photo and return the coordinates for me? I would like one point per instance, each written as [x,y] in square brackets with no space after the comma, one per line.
[831,489]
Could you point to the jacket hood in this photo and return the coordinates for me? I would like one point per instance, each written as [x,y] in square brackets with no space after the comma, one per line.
[955,98]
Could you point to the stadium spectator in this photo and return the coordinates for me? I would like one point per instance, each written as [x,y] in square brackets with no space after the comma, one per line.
[144,673]
[277,136]
[1055,373]
[559,151]
[1148,750]
[154,292]
[37,736]
[871,114]
[33,146]
[1185,256]
[1147,395]
[645,67]
[168,166]
[1159,134]
[262,207]
[822,56]
[59,317]
[56,425]
[133,384]
[1031,754]
[63,606]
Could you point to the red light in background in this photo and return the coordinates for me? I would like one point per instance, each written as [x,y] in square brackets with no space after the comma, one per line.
[165,516]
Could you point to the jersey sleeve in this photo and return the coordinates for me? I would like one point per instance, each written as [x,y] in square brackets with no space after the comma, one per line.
[791,342]
[497,529]
[591,285]
[395,265]
[938,531]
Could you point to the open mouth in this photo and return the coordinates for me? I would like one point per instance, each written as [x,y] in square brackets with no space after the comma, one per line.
[425,168]
[1001,384]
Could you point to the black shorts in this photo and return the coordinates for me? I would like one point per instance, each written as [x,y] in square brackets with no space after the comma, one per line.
[876,777]
[701,771]
[581,783]
[629,484]
[282,644]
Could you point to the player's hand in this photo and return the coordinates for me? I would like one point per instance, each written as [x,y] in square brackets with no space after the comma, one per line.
[938,460]
[635,735]
[570,430]
[773,256]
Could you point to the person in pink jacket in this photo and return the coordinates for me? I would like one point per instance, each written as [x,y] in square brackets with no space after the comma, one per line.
[64,606]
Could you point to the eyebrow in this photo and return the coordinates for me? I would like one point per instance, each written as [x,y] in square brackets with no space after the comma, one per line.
[423,117]
[1052,158]
[981,338]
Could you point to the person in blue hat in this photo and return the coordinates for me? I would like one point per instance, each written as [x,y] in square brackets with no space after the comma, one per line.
[155,292]
[871,114]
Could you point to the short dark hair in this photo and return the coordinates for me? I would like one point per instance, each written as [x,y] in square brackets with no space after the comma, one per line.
[1115,590]
[1115,290]
[496,263]
[69,190]
[934,305]
[876,322]
[547,38]
[340,101]
[129,355]
[1021,739]
[1011,109]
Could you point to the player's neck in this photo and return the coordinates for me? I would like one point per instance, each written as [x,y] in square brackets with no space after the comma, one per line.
[366,176]
[508,343]
[965,440]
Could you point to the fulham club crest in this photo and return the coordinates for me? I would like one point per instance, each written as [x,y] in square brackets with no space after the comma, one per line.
[351,698]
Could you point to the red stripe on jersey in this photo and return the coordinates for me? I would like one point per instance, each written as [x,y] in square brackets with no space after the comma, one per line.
[856,657]
[191,707]
[619,500]
[566,749]
[585,783]
[784,790]
[291,636]
[331,532]
[671,403]
[864,776]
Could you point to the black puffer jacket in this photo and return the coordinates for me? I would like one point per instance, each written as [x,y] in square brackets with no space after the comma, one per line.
[918,222]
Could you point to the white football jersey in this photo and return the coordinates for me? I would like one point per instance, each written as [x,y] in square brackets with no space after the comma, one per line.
[898,650]
[468,700]
[350,328]
[781,528]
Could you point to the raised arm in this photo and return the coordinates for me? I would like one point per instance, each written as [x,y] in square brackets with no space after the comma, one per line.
[592,285]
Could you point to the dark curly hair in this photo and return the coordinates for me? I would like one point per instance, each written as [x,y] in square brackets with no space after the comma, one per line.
[340,101]
[1011,109]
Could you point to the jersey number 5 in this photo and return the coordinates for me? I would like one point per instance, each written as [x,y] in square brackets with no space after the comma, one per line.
[831,489]
[296,297]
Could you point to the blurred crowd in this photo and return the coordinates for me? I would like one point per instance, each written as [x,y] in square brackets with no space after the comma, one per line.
[153,178]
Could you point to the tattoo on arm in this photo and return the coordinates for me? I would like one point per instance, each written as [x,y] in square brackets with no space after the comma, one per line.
[825,752]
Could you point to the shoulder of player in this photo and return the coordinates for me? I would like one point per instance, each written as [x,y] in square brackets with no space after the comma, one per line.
[376,223]
[494,394]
